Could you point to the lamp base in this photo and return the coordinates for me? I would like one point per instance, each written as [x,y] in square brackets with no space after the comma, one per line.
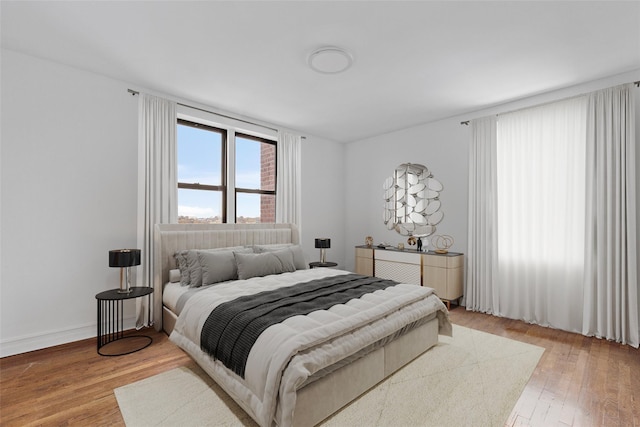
[125,288]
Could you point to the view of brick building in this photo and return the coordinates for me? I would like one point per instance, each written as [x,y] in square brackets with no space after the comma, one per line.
[267,182]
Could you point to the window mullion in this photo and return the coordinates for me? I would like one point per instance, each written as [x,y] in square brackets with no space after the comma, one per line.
[231,176]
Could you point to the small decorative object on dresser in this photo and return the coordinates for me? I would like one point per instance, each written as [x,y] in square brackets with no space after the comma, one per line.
[442,243]
[368,241]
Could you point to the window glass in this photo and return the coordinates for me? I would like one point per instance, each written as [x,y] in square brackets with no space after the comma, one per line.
[255,208]
[199,207]
[255,164]
[199,155]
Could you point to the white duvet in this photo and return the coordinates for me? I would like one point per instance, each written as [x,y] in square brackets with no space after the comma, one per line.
[286,354]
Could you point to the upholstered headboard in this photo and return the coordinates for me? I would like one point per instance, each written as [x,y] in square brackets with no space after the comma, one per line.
[169,238]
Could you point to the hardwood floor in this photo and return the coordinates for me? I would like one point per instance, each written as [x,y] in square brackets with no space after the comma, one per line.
[72,385]
[579,381]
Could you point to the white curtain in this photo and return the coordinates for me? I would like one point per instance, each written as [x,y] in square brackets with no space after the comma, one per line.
[541,197]
[481,290]
[288,191]
[560,214]
[157,184]
[611,285]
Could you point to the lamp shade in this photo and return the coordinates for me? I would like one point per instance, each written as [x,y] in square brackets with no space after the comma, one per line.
[323,243]
[124,257]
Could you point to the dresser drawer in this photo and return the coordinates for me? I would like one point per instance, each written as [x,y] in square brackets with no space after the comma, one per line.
[364,253]
[396,256]
[443,261]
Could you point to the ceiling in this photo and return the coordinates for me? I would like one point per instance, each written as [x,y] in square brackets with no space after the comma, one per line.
[414,62]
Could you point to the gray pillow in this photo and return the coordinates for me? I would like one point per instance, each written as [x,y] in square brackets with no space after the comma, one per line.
[181,262]
[193,269]
[257,265]
[218,266]
[298,256]
[193,262]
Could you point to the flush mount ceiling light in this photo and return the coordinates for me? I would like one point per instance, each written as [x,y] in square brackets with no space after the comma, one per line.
[330,60]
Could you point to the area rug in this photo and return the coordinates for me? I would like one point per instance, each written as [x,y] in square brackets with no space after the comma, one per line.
[472,379]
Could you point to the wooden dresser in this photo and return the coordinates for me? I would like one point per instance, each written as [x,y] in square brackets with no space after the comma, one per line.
[442,272]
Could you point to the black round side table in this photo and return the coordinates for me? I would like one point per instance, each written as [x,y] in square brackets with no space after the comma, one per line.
[110,323]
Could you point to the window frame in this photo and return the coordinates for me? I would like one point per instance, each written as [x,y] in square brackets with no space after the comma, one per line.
[223,171]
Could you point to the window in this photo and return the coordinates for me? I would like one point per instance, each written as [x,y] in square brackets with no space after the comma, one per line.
[224,175]
[202,188]
[255,180]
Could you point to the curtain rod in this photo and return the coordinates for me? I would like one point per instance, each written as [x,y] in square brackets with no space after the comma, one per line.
[135,92]
[466,122]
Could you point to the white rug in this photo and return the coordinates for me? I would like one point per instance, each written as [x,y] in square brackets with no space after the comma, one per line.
[472,379]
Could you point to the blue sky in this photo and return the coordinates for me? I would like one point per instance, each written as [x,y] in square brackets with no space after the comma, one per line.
[199,160]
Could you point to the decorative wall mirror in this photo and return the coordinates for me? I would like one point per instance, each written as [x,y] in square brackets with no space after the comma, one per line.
[411,201]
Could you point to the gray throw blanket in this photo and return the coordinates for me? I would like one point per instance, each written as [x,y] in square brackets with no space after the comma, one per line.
[233,327]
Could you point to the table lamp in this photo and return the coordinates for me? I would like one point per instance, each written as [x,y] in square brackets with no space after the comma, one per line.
[323,244]
[125,259]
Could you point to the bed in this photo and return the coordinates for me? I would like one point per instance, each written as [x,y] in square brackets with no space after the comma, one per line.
[306,366]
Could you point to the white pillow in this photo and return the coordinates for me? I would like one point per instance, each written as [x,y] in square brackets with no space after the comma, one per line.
[174,276]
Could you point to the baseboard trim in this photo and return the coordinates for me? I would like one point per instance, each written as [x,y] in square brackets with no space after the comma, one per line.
[24,344]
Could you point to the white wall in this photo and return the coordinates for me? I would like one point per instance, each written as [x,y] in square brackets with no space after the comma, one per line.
[69,154]
[69,195]
[323,190]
